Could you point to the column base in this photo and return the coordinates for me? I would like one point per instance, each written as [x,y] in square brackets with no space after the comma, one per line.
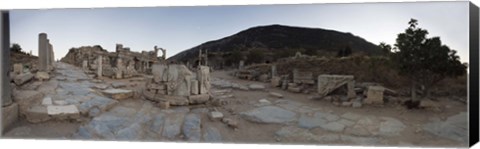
[9,116]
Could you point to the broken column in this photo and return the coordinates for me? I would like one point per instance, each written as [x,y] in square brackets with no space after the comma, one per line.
[118,73]
[99,66]
[203,77]
[42,51]
[51,56]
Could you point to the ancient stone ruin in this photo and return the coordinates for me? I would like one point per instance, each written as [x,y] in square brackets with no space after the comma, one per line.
[120,64]
[176,85]
[45,53]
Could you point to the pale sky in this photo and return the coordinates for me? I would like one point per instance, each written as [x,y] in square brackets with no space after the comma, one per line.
[180,28]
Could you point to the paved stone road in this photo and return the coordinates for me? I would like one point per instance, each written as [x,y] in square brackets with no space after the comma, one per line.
[71,94]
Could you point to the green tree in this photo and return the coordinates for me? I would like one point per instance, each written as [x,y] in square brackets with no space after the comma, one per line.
[234,58]
[347,51]
[255,56]
[425,61]
[16,47]
[386,48]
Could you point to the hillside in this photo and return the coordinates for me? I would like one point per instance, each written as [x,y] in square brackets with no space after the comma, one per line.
[20,57]
[277,41]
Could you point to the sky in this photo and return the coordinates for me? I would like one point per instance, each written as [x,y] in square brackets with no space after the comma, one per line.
[180,28]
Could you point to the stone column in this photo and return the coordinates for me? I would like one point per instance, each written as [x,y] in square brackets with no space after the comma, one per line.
[351,90]
[9,108]
[99,66]
[42,51]
[241,64]
[5,91]
[274,70]
[51,56]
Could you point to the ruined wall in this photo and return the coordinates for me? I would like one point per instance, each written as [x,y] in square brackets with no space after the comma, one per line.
[122,63]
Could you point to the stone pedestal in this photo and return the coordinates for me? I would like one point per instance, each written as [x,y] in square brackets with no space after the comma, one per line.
[99,66]
[9,116]
[374,95]
[18,68]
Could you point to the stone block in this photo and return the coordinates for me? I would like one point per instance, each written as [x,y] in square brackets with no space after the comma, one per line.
[194,87]
[164,104]
[118,94]
[18,68]
[26,99]
[256,87]
[42,76]
[63,112]
[215,115]
[374,95]
[37,114]
[275,94]
[119,85]
[276,81]
[9,115]
[47,101]
[22,78]
[328,83]
[303,77]
[159,72]
[198,99]
[295,89]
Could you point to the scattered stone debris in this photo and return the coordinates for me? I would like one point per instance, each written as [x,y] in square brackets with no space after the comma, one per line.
[230,122]
[119,85]
[256,87]
[215,115]
[42,76]
[118,94]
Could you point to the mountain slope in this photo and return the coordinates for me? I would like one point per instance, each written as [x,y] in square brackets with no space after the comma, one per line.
[274,39]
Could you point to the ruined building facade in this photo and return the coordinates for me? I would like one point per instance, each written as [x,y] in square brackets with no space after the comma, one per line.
[122,63]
